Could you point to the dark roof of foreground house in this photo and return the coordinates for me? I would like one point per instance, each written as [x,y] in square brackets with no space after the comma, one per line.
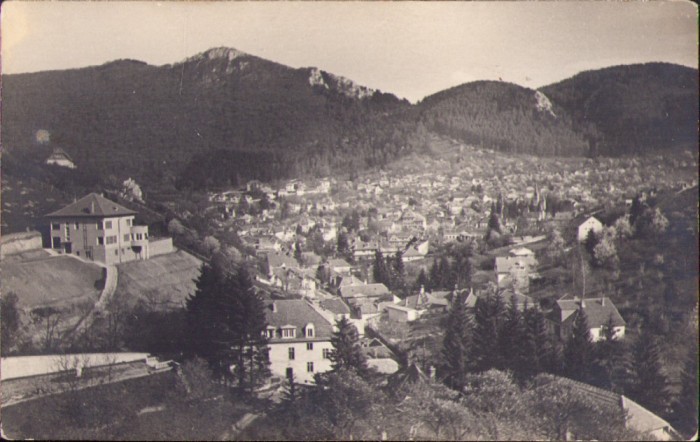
[598,311]
[298,314]
[638,418]
[92,205]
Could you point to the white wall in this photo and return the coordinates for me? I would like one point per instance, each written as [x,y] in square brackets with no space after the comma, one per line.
[279,359]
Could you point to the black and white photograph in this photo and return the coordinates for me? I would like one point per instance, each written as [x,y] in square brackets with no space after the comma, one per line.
[349,220]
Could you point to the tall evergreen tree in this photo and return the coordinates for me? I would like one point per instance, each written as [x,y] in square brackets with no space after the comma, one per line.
[380,272]
[512,340]
[423,281]
[434,275]
[347,352]
[612,359]
[543,358]
[488,313]
[578,351]
[650,386]
[456,350]
[227,321]
[686,407]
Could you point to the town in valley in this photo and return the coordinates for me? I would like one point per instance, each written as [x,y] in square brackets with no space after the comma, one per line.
[228,248]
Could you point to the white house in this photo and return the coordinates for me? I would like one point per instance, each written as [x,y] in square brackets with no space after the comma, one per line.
[599,312]
[590,224]
[299,340]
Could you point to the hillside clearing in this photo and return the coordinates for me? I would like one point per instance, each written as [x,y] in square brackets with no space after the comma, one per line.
[165,280]
[55,281]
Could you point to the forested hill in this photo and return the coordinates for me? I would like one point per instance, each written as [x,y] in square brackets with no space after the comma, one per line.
[506,117]
[636,108]
[220,117]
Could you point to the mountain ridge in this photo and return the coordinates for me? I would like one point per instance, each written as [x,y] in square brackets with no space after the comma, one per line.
[223,116]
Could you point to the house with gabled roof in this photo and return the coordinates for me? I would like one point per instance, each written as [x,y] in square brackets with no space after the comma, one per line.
[299,340]
[591,224]
[59,157]
[98,229]
[599,312]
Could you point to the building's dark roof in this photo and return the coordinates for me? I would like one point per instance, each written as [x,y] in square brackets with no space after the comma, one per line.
[364,290]
[598,311]
[92,205]
[336,306]
[297,313]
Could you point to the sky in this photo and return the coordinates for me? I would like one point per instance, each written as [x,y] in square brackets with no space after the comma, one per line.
[411,49]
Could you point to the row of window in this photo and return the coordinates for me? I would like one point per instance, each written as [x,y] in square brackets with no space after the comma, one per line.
[107,225]
[289,332]
[309,346]
[113,239]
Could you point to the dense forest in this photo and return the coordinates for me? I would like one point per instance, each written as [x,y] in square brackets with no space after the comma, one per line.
[506,117]
[218,108]
[223,117]
[636,108]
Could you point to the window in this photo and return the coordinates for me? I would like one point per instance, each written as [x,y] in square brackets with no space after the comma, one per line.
[100,241]
[77,226]
[310,367]
[67,232]
[309,345]
[56,242]
[326,353]
[116,252]
[111,239]
[288,332]
[290,372]
[99,226]
[128,222]
[270,333]
[310,331]
[126,237]
[291,353]
[108,224]
[55,226]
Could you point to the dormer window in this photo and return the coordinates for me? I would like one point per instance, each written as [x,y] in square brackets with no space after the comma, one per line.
[269,332]
[309,330]
[288,331]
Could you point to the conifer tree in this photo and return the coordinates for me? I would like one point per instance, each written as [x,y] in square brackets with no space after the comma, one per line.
[512,340]
[379,271]
[488,313]
[686,407]
[578,350]
[650,386]
[231,320]
[543,357]
[435,275]
[456,349]
[423,281]
[347,352]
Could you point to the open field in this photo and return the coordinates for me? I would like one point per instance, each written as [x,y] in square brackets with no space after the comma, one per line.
[165,280]
[55,281]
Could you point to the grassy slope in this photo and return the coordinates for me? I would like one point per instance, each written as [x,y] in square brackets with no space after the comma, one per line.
[166,279]
[56,281]
[111,412]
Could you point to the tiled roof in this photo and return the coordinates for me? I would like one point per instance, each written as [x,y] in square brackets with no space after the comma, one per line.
[364,290]
[337,262]
[277,259]
[92,205]
[598,311]
[336,306]
[298,313]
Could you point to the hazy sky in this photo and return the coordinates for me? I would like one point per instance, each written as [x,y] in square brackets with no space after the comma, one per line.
[409,49]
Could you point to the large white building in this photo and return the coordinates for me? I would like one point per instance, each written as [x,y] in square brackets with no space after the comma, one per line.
[299,340]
